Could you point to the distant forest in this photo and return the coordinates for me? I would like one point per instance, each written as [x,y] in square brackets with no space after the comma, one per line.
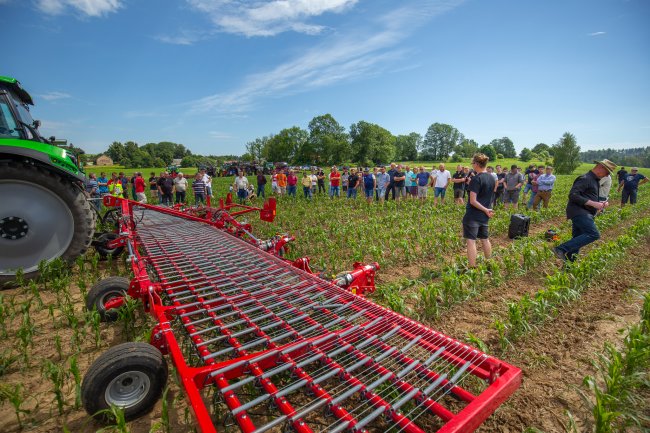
[639,156]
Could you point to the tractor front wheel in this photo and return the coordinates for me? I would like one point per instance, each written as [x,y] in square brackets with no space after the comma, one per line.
[43,216]
[131,376]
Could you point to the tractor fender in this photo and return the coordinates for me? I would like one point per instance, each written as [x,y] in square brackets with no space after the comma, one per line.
[38,158]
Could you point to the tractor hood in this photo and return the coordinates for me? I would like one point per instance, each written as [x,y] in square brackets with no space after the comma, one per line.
[52,156]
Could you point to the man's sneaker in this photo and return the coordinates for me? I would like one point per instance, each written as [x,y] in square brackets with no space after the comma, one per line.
[559,254]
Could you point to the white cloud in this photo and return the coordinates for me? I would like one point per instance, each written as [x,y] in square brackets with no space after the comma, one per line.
[597,33]
[53,96]
[268,18]
[184,37]
[360,53]
[218,135]
[92,8]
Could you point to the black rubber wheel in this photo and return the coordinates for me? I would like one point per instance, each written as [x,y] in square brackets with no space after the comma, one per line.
[112,218]
[102,249]
[42,216]
[103,291]
[131,376]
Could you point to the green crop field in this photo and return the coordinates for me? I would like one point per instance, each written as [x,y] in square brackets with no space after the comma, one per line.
[521,305]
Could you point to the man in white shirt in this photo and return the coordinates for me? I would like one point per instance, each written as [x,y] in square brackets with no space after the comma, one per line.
[241,186]
[207,180]
[180,186]
[440,181]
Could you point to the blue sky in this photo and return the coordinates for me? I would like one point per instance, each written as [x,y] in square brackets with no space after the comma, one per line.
[215,74]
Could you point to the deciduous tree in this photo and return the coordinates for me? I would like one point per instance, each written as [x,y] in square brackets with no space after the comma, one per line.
[566,154]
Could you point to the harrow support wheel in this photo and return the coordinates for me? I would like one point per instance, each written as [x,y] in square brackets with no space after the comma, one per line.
[101,247]
[104,291]
[131,376]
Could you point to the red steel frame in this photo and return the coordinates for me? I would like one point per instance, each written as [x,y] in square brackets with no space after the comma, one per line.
[370,326]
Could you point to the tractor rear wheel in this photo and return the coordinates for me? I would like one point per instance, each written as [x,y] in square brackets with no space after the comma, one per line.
[43,216]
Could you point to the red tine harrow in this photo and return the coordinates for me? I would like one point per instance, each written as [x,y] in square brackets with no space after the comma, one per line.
[262,343]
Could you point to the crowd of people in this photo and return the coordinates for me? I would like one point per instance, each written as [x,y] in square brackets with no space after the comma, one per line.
[398,182]
[481,188]
[165,189]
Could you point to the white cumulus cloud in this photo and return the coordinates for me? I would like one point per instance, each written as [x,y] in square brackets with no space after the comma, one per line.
[597,33]
[268,18]
[92,8]
[345,56]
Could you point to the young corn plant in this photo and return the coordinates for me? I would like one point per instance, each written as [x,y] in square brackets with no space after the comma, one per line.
[76,375]
[57,375]
[126,315]
[26,332]
[116,415]
[14,394]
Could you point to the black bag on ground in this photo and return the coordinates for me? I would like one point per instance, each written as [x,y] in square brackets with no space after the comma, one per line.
[518,226]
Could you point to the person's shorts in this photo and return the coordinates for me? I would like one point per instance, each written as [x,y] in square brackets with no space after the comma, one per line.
[439,192]
[458,193]
[630,195]
[141,197]
[153,192]
[283,190]
[422,191]
[528,187]
[413,190]
[511,196]
[242,193]
[381,192]
[369,192]
[473,230]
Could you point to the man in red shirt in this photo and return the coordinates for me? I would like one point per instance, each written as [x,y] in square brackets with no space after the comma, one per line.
[292,181]
[335,182]
[139,188]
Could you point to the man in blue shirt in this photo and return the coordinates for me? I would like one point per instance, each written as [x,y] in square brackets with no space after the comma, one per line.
[383,181]
[423,181]
[545,183]
[102,182]
[630,185]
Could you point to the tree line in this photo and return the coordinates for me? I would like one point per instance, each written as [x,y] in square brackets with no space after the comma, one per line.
[326,142]
[131,155]
[639,156]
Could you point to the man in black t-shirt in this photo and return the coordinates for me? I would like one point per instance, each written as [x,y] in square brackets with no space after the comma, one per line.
[498,193]
[620,175]
[458,179]
[165,189]
[399,183]
[153,186]
[479,209]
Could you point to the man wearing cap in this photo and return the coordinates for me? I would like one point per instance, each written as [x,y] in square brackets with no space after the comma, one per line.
[582,207]
[630,185]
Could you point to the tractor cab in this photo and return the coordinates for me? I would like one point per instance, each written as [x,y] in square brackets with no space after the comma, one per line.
[15,119]
[19,131]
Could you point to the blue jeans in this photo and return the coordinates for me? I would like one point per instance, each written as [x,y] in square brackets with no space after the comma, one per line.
[260,190]
[528,187]
[334,191]
[352,193]
[531,200]
[291,190]
[307,191]
[584,232]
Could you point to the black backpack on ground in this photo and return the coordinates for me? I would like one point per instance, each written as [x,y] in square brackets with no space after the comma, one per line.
[519,225]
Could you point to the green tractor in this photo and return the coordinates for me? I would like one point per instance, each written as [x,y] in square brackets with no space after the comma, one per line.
[44,213]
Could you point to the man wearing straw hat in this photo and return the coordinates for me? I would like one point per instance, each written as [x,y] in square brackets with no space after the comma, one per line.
[582,208]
